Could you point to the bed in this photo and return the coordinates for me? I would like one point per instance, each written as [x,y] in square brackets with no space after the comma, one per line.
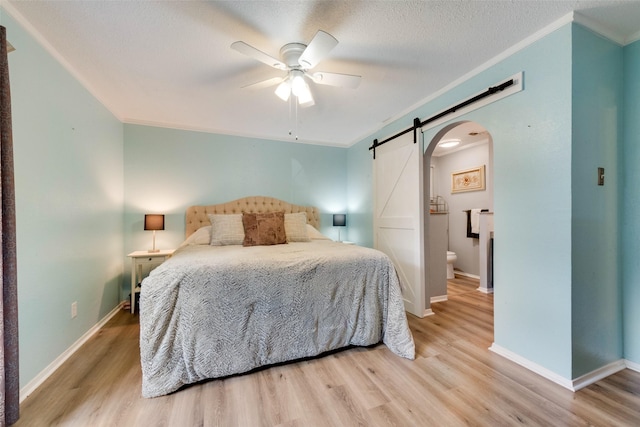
[214,310]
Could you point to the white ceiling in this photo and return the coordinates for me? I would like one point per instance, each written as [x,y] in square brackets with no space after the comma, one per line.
[168,63]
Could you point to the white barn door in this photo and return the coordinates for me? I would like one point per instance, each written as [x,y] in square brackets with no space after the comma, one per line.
[398,218]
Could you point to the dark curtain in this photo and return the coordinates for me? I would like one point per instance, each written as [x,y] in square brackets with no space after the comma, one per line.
[9,375]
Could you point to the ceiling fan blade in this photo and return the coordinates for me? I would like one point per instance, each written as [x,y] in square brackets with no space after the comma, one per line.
[264,83]
[254,53]
[319,47]
[335,79]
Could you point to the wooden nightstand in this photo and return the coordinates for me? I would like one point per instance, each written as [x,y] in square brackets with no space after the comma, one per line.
[140,259]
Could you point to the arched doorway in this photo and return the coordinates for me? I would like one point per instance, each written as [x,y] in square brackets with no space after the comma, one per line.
[456,148]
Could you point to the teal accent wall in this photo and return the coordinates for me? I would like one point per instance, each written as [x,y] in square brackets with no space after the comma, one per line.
[531,133]
[360,193]
[68,157]
[168,170]
[563,299]
[630,195]
[596,304]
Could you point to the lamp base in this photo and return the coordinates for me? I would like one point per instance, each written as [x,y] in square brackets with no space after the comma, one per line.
[154,250]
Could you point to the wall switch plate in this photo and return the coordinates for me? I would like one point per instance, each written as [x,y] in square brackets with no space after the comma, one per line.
[74,309]
[600,176]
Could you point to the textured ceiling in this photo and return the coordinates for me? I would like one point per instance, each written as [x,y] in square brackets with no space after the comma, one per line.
[168,63]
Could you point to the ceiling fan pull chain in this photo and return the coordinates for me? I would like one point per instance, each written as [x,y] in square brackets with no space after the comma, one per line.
[296,103]
[290,115]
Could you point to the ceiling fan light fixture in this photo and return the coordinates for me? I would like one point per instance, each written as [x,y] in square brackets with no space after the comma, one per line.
[283,91]
[305,64]
[297,59]
[298,85]
[305,99]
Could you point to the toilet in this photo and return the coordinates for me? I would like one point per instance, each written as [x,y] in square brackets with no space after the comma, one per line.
[451,258]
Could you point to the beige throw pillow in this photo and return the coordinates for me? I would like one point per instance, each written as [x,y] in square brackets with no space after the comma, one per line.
[295,226]
[226,229]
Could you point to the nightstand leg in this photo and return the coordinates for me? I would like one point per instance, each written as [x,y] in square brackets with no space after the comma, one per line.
[134,277]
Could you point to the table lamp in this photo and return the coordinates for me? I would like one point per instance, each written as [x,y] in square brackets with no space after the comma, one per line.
[339,220]
[154,222]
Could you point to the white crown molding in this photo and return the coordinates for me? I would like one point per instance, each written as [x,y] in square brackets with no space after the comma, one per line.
[604,31]
[633,38]
[8,7]
[179,126]
[471,74]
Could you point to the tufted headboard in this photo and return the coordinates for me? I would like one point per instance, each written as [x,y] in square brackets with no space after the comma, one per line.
[197,215]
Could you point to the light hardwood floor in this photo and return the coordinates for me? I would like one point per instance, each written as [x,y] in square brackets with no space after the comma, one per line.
[454,381]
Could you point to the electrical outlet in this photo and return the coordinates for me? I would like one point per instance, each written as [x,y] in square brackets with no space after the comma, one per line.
[74,309]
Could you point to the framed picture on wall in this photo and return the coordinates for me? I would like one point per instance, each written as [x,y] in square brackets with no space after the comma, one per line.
[468,180]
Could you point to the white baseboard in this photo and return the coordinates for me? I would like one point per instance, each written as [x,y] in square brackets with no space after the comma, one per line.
[598,374]
[632,365]
[428,312]
[473,276]
[461,273]
[573,385]
[540,370]
[32,385]
[438,298]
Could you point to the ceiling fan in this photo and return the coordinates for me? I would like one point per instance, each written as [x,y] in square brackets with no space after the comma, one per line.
[297,59]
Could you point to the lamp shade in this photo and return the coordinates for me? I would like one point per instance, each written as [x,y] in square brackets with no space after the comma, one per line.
[298,85]
[284,90]
[339,220]
[154,222]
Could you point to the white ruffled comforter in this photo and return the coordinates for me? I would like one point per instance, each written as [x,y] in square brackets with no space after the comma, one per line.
[209,312]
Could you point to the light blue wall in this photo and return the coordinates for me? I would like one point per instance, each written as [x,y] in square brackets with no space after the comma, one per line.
[75,221]
[531,132]
[558,298]
[68,158]
[597,134]
[630,194]
[360,193]
[167,170]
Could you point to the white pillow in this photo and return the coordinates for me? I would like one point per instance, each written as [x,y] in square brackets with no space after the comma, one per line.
[226,229]
[315,234]
[295,226]
[202,236]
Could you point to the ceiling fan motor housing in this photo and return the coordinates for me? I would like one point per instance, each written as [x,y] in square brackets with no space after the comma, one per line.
[290,53]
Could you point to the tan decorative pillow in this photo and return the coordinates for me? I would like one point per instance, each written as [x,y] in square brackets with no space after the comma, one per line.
[295,226]
[264,229]
[226,229]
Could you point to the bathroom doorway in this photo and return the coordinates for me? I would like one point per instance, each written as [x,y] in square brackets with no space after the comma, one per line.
[458,152]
